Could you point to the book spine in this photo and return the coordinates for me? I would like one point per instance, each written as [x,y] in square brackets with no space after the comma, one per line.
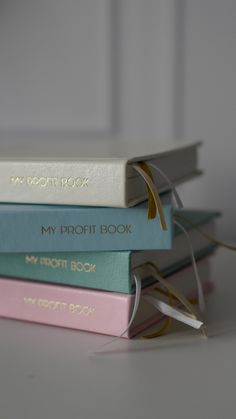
[71,229]
[108,271]
[76,308]
[98,270]
[64,182]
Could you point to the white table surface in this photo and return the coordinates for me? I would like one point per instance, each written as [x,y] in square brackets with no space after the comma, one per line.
[45,372]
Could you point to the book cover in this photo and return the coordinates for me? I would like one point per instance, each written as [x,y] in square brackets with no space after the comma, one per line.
[111,271]
[85,309]
[101,174]
[53,228]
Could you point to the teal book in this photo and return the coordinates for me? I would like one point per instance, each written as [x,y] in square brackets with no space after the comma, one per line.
[111,271]
[55,228]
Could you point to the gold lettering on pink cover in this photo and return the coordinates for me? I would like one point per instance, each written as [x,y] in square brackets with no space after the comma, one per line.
[73,308]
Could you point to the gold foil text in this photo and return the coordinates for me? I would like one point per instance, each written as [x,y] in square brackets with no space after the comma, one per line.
[82,310]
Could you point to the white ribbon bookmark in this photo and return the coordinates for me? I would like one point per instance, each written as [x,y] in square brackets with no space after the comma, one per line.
[201,298]
[189,318]
[180,205]
[154,272]
[168,181]
[138,289]
[176,314]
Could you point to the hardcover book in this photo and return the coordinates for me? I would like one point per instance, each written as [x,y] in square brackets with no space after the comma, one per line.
[111,271]
[101,174]
[85,309]
[53,228]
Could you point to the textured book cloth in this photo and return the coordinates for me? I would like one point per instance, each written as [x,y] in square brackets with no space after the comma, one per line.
[102,174]
[111,271]
[89,310]
[45,228]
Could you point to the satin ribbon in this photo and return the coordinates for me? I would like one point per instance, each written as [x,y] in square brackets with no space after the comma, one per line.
[201,298]
[155,273]
[193,300]
[190,317]
[166,321]
[152,209]
[163,307]
[207,236]
[153,196]
[169,183]
[179,315]
[179,203]
[138,288]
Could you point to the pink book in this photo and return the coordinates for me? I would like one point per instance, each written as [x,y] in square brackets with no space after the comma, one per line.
[86,309]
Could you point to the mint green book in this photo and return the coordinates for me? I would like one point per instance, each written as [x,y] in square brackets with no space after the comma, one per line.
[111,271]
[66,228]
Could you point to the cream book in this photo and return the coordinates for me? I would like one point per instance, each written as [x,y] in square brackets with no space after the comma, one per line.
[98,174]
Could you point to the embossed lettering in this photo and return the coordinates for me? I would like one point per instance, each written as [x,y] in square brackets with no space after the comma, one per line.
[48,230]
[78,229]
[78,309]
[59,305]
[30,259]
[82,267]
[17,179]
[53,262]
[112,228]
[72,182]
[30,300]
[46,181]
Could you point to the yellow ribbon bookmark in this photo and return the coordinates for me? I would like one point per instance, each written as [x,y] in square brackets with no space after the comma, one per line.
[167,321]
[154,202]
[152,210]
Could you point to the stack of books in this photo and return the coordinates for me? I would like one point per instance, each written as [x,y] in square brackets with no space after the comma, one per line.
[79,226]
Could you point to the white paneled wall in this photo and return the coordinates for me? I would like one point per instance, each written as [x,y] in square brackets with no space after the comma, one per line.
[147,68]
[55,65]
[131,69]
[209,111]
[87,68]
